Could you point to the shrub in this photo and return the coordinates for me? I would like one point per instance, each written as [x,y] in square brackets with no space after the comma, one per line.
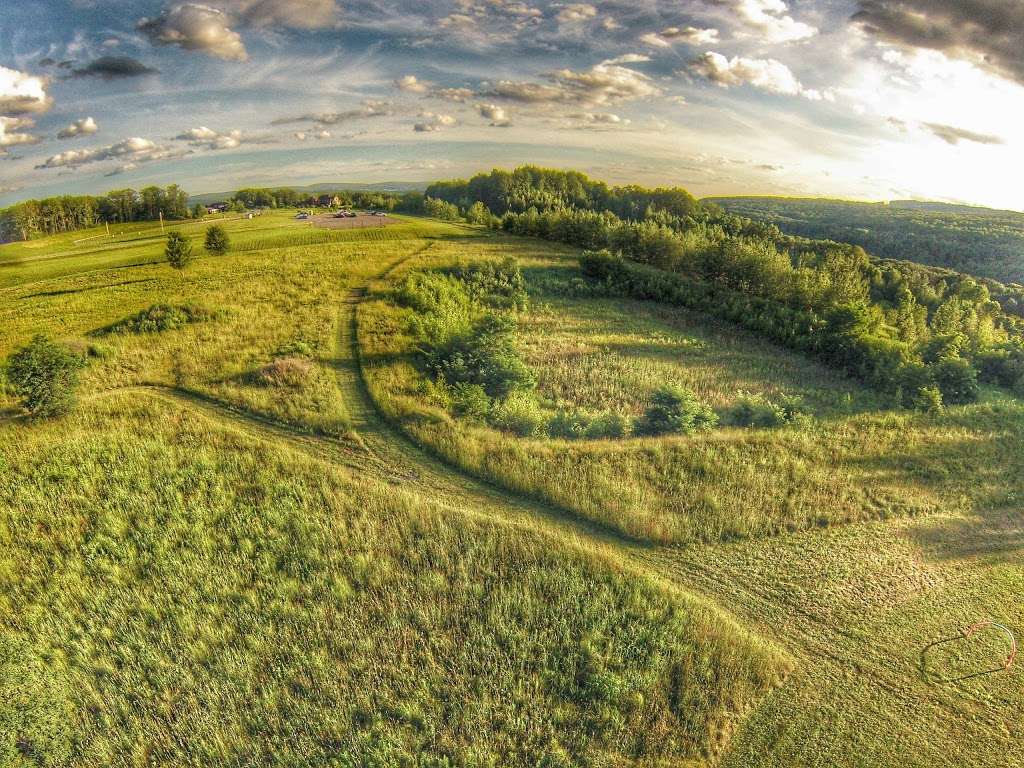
[498,283]
[286,372]
[217,241]
[470,402]
[519,414]
[675,410]
[478,214]
[44,375]
[957,380]
[608,426]
[603,265]
[160,317]
[756,410]
[178,251]
[569,425]
[485,355]
[927,399]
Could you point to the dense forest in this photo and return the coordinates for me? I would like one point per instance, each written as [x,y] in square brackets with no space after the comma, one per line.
[53,215]
[980,241]
[924,335]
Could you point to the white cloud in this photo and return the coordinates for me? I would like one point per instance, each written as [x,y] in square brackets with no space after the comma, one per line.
[410,84]
[770,18]
[22,93]
[605,83]
[670,35]
[453,94]
[209,139]
[576,13]
[134,150]
[599,119]
[768,75]
[196,28]
[82,127]
[433,122]
[496,114]
[12,132]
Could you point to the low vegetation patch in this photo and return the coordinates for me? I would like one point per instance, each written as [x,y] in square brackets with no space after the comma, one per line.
[44,375]
[159,318]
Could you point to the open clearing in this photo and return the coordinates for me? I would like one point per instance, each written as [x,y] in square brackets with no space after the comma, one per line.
[359,221]
[193,540]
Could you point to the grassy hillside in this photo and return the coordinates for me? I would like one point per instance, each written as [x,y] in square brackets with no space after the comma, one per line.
[854,460]
[978,241]
[228,555]
[203,565]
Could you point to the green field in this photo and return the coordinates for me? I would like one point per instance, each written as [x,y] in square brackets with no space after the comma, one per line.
[261,538]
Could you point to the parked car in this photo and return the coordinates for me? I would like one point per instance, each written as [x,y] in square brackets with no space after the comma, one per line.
[302,215]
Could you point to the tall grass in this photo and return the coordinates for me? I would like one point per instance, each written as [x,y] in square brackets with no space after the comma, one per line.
[849,464]
[175,594]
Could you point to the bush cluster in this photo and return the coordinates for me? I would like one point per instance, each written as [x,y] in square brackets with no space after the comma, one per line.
[44,376]
[756,410]
[159,318]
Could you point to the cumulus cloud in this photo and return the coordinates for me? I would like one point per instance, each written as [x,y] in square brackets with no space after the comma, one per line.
[134,150]
[496,114]
[207,138]
[196,28]
[690,35]
[113,67]
[410,84]
[606,83]
[989,33]
[22,93]
[599,120]
[575,13]
[453,94]
[82,127]
[768,75]
[952,135]
[433,122]
[12,132]
[770,19]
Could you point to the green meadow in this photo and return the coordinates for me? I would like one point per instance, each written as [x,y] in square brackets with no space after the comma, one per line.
[268,535]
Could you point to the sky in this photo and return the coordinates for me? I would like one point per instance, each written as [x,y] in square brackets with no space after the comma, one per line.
[860,99]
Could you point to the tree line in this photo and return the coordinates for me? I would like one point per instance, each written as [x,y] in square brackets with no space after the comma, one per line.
[979,241]
[286,197]
[67,213]
[916,332]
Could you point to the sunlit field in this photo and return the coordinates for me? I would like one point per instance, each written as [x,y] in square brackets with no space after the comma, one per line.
[262,536]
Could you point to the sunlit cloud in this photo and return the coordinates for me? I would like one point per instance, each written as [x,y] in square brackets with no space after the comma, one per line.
[196,28]
[83,127]
[22,93]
